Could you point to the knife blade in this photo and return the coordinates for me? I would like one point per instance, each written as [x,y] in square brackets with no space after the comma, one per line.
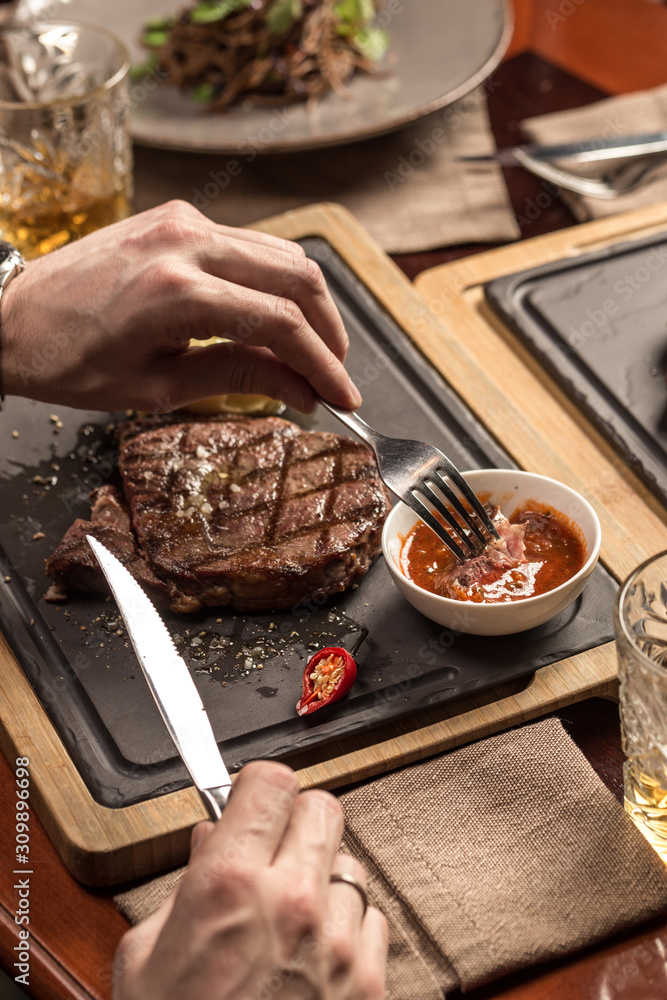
[586,151]
[170,683]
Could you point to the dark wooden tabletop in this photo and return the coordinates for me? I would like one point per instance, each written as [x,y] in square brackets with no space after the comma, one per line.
[564,53]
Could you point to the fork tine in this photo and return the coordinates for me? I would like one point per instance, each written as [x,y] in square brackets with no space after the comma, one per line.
[434,493]
[430,491]
[453,473]
[415,502]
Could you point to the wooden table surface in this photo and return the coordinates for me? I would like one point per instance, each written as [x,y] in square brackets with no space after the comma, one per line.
[564,53]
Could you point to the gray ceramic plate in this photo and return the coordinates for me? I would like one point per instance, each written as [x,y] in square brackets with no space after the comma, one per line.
[440,50]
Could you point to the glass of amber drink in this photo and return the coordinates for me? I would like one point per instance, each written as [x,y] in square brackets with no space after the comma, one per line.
[641,634]
[65,153]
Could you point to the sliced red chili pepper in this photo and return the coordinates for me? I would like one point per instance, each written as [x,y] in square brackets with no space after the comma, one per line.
[329,675]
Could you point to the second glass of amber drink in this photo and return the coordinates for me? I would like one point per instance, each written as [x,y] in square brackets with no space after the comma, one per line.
[65,153]
[641,634]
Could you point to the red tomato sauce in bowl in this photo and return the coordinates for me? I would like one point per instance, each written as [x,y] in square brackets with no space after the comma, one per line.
[555,551]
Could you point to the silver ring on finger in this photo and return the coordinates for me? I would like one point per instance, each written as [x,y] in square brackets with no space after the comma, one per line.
[351,880]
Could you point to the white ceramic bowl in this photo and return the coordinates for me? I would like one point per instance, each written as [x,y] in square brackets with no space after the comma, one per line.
[509,489]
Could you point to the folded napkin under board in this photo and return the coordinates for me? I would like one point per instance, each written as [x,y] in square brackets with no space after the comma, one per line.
[488,859]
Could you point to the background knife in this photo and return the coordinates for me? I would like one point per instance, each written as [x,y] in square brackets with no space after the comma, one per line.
[585,151]
[170,682]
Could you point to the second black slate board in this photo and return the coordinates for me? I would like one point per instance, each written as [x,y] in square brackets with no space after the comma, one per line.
[599,323]
[79,659]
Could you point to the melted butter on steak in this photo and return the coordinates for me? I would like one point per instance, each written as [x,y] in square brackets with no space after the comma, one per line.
[253,513]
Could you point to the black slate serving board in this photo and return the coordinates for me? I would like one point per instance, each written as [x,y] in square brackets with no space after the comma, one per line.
[599,323]
[79,659]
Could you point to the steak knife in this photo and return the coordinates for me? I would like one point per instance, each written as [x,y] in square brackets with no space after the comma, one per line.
[170,682]
[586,151]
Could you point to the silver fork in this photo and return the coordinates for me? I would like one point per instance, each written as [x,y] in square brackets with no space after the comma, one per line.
[422,477]
[612,185]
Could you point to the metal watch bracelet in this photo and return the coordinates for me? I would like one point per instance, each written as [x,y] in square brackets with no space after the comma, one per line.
[11,264]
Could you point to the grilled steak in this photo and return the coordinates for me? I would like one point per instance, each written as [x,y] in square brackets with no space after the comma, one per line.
[73,565]
[253,513]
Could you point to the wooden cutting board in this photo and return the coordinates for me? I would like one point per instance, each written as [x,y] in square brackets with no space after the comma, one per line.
[507,387]
[103,846]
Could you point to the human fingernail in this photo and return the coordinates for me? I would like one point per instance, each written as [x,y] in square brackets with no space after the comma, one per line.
[199,835]
[356,395]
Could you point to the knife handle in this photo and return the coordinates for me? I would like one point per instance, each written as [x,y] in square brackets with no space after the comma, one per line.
[215,799]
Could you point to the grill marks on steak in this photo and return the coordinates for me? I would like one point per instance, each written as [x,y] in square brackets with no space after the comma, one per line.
[254,513]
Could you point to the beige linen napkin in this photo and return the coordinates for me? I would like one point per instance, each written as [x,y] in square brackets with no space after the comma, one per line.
[629,114]
[405,188]
[491,858]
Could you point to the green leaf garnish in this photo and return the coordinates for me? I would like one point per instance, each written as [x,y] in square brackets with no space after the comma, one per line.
[204,93]
[355,12]
[372,43]
[145,68]
[154,38]
[209,11]
[282,14]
